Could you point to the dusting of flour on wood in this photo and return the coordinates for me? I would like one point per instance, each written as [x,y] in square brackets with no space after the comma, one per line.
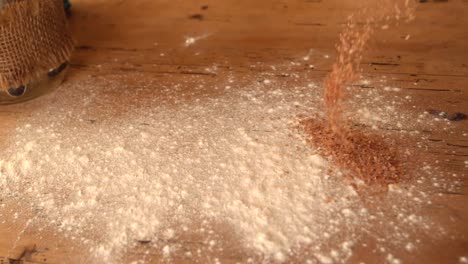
[114,173]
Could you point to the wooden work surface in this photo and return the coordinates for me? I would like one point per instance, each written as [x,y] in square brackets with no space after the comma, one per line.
[146,38]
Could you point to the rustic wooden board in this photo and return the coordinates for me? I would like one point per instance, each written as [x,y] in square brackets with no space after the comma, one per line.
[145,40]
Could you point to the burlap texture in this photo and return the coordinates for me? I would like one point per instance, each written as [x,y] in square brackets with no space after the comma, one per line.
[34,38]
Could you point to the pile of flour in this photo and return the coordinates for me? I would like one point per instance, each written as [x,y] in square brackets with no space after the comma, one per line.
[111,175]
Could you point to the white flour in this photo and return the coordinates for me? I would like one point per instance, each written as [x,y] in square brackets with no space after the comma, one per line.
[112,178]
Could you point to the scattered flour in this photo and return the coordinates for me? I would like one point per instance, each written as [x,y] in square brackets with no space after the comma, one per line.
[189,41]
[112,179]
[133,177]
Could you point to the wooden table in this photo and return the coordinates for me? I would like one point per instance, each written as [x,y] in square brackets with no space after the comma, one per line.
[147,39]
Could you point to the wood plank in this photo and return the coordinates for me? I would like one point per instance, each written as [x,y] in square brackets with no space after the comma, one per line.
[145,40]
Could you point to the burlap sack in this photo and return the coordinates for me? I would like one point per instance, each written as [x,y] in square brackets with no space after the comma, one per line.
[34,38]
